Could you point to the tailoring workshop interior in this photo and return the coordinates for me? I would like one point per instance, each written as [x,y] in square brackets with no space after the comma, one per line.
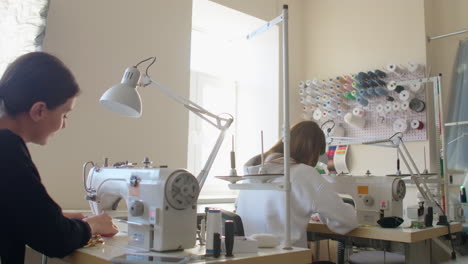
[202,54]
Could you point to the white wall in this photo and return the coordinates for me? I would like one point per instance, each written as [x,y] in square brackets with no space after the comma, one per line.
[98,40]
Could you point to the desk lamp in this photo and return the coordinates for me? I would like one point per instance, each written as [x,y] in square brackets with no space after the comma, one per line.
[124,99]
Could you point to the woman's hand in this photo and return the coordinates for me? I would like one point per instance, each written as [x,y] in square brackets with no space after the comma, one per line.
[102,224]
[74,215]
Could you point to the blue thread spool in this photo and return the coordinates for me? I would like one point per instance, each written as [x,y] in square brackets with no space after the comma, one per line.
[363,93]
[380,91]
[380,73]
[371,92]
[362,101]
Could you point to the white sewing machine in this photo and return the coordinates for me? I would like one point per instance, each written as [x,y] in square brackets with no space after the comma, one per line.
[161,202]
[374,196]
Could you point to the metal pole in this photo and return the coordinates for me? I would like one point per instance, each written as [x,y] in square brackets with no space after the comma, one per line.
[286,133]
[447,35]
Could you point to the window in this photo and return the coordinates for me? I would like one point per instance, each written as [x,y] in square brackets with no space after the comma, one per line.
[231,74]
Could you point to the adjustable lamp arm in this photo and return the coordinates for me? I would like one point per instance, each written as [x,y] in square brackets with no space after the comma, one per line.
[220,123]
[124,99]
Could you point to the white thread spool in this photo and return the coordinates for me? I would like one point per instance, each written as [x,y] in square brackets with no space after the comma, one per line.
[213,225]
[309,99]
[405,95]
[415,87]
[302,100]
[394,69]
[404,105]
[301,84]
[400,126]
[317,115]
[308,83]
[339,112]
[308,90]
[317,82]
[415,67]
[380,108]
[391,85]
[355,121]
[416,124]
[388,107]
[357,111]
[396,106]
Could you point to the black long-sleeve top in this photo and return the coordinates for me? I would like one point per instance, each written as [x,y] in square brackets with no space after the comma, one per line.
[28,215]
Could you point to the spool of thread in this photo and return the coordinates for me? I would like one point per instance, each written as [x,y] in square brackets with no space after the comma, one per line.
[354,93]
[362,76]
[380,82]
[390,98]
[396,106]
[301,84]
[356,85]
[400,126]
[415,87]
[417,105]
[357,111]
[416,124]
[302,100]
[380,108]
[309,99]
[371,92]
[348,87]
[362,101]
[347,79]
[213,225]
[317,115]
[415,67]
[316,82]
[405,96]
[325,98]
[339,112]
[380,74]
[308,83]
[301,91]
[349,95]
[372,83]
[391,85]
[404,105]
[342,105]
[355,121]
[364,84]
[216,245]
[363,93]
[393,68]
[399,89]
[372,75]
[380,91]
[354,76]
[309,90]
[388,107]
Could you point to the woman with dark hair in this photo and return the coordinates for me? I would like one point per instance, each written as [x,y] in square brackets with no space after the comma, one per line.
[262,211]
[37,91]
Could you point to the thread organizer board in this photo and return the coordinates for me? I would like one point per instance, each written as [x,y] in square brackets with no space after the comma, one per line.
[369,104]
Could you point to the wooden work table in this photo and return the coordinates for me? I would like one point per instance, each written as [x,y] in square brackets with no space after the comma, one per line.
[399,234]
[117,246]
[417,242]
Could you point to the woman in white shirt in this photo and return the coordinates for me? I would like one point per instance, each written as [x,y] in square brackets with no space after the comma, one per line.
[262,211]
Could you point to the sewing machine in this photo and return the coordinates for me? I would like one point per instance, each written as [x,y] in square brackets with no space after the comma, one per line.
[161,203]
[374,197]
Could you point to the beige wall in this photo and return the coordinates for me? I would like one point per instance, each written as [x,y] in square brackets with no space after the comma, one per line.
[98,40]
[444,17]
[350,36]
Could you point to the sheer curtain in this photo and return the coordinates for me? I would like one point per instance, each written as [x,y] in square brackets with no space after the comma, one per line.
[22,28]
[457,136]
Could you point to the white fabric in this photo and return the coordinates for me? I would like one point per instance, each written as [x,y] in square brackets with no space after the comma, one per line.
[22,25]
[262,211]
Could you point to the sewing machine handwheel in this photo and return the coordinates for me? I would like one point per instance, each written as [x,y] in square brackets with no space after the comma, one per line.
[398,189]
[182,190]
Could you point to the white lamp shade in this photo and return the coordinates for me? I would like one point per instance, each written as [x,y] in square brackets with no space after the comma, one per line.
[123,98]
